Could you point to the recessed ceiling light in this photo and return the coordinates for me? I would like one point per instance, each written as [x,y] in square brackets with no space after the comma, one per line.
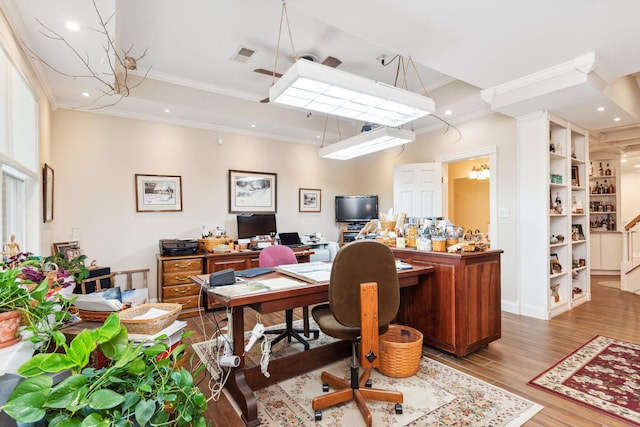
[166,110]
[637,166]
[253,125]
[73,26]
[623,160]
[616,119]
[448,113]
[600,108]
[317,136]
[85,94]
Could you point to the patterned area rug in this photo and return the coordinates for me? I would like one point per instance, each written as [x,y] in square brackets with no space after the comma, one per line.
[603,374]
[435,395]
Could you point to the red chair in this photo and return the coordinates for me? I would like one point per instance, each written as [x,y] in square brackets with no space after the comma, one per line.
[273,256]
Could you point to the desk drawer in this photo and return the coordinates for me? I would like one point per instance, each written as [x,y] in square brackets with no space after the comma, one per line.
[187,302]
[179,291]
[179,278]
[192,265]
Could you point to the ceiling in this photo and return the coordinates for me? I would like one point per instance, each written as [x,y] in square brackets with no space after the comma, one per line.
[473,58]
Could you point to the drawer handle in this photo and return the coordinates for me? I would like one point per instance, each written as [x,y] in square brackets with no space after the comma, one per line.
[182,291]
[181,278]
[186,302]
[183,265]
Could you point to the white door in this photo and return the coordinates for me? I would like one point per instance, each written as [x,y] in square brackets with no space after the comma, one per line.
[417,189]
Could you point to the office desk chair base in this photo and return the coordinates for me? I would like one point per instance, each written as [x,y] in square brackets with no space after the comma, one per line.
[289,332]
[353,390]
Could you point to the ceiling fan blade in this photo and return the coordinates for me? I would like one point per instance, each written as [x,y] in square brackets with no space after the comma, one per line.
[330,61]
[268,72]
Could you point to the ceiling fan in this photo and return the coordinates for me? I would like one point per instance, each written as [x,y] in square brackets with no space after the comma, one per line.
[329,61]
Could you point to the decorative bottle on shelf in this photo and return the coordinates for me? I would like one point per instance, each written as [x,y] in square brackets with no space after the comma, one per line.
[612,189]
[600,171]
[605,189]
[607,171]
[590,168]
[595,188]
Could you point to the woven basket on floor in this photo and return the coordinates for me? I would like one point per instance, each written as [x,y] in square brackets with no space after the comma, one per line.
[149,326]
[400,351]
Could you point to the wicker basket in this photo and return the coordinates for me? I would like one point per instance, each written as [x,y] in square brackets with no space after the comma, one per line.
[400,351]
[149,326]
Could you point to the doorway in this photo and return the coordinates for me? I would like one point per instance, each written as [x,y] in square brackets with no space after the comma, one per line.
[474,207]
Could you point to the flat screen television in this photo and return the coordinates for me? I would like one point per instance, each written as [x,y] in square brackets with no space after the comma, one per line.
[250,225]
[356,208]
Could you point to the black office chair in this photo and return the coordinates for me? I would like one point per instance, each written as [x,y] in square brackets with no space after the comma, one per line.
[273,256]
[364,298]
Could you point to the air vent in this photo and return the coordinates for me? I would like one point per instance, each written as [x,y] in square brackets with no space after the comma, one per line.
[243,54]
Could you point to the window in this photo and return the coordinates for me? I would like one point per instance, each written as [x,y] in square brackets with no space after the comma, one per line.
[13,205]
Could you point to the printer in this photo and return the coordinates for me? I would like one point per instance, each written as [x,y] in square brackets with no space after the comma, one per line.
[172,247]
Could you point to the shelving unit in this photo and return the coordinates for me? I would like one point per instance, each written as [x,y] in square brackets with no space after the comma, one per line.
[553,156]
[604,215]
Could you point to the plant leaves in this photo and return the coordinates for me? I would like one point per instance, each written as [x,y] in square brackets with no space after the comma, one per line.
[144,411]
[64,394]
[94,420]
[27,407]
[155,349]
[105,399]
[115,346]
[45,362]
[130,399]
[36,384]
[80,349]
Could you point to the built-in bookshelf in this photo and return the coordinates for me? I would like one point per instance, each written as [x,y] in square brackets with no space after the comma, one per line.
[553,160]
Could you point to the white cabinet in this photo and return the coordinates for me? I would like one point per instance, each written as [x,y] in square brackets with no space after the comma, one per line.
[554,222]
[606,252]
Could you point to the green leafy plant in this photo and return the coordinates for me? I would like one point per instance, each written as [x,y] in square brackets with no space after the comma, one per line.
[137,387]
[43,311]
[74,266]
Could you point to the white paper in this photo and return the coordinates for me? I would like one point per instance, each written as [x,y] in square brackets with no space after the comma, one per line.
[281,283]
[152,313]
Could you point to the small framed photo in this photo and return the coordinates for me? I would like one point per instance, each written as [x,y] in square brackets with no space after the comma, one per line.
[554,264]
[254,192]
[575,177]
[68,249]
[309,199]
[47,193]
[576,232]
[158,193]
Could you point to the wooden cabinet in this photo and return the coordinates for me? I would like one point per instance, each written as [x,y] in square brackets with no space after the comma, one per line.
[606,252]
[175,285]
[347,235]
[458,311]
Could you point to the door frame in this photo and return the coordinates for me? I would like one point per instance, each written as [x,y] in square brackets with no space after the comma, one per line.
[492,153]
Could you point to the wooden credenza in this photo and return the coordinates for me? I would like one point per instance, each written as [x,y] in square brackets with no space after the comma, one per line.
[459,311]
[174,272]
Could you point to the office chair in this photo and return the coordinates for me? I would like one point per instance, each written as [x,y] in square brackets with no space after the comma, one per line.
[273,256]
[364,298]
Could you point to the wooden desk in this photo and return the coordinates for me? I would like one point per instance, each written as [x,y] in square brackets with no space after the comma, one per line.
[243,381]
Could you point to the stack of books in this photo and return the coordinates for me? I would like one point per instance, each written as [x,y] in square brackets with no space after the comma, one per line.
[171,336]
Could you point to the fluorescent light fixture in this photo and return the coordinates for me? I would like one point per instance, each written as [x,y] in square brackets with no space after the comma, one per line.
[367,142]
[313,86]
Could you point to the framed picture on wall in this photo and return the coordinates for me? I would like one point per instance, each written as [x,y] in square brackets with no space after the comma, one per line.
[158,193]
[309,200]
[47,193]
[252,192]
[575,177]
[68,249]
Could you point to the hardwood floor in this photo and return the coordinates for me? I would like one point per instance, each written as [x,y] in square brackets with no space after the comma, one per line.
[527,347]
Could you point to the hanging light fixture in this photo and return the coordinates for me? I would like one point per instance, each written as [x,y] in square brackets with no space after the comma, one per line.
[312,86]
[367,142]
[481,172]
[473,174]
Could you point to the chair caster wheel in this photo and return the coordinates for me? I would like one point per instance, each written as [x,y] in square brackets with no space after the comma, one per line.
[368,384]
[316,334]
[318,415]
[398,408]
[325,388]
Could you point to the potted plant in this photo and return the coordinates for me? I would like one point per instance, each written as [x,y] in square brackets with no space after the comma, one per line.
[138,387]
[30,296]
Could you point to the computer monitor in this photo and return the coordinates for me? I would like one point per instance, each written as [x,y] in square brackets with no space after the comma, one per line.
[250,225]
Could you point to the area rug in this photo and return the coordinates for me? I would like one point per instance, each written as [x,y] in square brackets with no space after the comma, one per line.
[610,283]
[603,375]
[435,395]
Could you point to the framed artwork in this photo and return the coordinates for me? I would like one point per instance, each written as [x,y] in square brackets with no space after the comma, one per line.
[309,200]
[554,264]
[47,193]
[158,193]
[68,249]
[575,178]
[252,192]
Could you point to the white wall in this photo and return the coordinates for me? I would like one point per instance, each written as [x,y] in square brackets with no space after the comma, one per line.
[95,158]
[630,182]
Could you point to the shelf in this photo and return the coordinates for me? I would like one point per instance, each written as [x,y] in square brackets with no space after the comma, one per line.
[557,215]
[596,177]
[602,195]
[576,188]
[603,213]
[556,245]
[575,161]
[574,242]
[553,185]
[556,156]
[556,275]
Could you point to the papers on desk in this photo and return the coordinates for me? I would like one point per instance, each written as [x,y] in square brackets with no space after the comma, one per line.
[401,265]
[248,288]
[312,272]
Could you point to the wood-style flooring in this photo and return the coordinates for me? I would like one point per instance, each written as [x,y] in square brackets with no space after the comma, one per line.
[527,347]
